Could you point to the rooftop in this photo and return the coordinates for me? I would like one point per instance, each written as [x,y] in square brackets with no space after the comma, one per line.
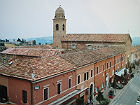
[97,37]
[35,63]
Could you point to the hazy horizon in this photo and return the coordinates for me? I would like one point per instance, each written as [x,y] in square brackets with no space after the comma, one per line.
[33,18]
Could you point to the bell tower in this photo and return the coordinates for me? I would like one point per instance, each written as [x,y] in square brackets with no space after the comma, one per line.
[59,27]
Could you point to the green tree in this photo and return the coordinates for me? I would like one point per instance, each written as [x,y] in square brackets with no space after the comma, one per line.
[114,84]
[133,65]
[130,69]
[80,101]
[34,42]
[100,97]
[18,40]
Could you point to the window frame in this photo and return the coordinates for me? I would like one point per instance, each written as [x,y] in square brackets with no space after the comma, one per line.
[91,73]
[63,27]
[107,66]
[70,84]
[57,27]
[24,96]
[78,82]
[47,92]
[73,46]
[97,70]
[89,47]
[110,64]
[86,75]
[59,82]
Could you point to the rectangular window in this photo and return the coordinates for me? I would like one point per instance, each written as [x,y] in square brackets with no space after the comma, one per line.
[73,46]
[70,82]
[91,73]
[103,67]
[97,70]
[24,96]
[78,79]
[107,65]
[58,88]
[86,76]
[89,47]
[46,93]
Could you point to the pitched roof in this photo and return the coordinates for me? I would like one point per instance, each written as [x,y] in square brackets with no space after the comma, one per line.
[34,68]
[31,51]
[97,37]
[38,63]
[84,57]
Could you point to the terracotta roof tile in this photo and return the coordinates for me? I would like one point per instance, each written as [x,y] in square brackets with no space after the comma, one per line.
[84,57]
[34,68]
[96,37]
[31,51]
[50,62]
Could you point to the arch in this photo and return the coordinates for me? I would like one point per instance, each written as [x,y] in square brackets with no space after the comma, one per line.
[3,94]
[63,27]
[107,80]
[91,90]
[57,26]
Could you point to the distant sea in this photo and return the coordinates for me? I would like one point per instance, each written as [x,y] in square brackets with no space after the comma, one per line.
[49,40]
[42,40]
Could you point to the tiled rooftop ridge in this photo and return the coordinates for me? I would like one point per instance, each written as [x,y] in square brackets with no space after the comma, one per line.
[51,62]
[96,37]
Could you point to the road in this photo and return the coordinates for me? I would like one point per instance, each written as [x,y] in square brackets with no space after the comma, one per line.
[129,94]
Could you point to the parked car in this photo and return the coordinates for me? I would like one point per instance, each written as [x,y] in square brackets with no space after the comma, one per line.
[138,98]
[111,94]
[138,101]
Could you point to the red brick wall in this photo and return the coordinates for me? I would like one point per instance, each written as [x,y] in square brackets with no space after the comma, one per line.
[52,84]
[15,88]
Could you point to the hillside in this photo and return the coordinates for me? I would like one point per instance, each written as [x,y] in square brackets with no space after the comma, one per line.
[135,41]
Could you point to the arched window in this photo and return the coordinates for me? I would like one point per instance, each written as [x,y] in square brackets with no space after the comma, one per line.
[63,27]
[57,27]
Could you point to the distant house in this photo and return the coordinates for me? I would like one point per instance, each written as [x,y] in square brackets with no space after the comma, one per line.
[135,54]
[2,46]
[31,42]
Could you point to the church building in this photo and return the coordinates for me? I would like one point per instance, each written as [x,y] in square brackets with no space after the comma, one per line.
[85,41]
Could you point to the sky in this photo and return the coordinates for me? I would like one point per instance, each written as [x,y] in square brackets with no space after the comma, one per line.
[33,18]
